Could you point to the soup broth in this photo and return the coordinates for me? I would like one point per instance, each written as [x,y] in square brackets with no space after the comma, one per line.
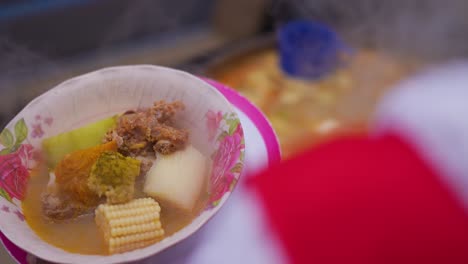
[81,235]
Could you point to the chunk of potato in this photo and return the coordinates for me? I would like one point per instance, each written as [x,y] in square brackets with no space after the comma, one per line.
[177,178]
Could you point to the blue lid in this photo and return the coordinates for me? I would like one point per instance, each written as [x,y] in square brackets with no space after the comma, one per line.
[309,50]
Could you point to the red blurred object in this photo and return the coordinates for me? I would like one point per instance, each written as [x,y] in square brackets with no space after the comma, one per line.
[363,200]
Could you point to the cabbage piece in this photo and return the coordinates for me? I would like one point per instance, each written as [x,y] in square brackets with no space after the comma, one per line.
[113,175]
[58,146]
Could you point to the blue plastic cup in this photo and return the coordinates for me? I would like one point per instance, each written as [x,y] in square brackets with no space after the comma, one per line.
[309,50]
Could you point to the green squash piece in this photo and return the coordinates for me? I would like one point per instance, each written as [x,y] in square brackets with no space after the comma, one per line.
[56,147]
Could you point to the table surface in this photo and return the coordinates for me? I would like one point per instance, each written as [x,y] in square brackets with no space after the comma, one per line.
[5,257]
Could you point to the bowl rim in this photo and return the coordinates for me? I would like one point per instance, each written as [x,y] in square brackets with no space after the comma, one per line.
[191,228]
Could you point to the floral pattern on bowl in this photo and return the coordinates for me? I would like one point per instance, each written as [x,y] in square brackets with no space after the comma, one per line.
[14,162]
[16,159]
[229,156]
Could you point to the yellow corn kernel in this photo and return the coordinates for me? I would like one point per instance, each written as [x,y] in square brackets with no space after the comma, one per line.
[130,226]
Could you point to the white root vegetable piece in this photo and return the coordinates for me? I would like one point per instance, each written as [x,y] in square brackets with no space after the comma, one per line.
[177,178]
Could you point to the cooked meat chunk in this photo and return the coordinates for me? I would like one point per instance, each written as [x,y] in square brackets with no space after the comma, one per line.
[113,136]
[168,139]
[165,112]
[146,131]
[59,206]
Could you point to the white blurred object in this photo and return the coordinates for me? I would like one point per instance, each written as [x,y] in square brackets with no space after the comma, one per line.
[327,126]
[430,110]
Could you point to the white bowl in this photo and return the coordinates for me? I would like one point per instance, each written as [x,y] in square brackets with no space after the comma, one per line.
[213,122]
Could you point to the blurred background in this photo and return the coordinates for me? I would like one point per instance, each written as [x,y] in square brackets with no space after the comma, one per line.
[44,42]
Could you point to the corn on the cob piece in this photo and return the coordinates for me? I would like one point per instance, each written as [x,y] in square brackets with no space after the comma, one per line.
[129,226]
